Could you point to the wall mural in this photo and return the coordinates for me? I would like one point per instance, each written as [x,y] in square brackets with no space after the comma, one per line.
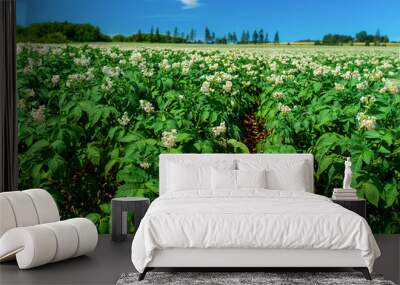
[95,110]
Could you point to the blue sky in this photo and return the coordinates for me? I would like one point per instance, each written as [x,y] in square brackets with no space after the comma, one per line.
[294,19]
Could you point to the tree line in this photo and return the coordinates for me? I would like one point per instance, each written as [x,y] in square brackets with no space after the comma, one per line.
[258,36]
[360,37]
[64,32]
[60,32]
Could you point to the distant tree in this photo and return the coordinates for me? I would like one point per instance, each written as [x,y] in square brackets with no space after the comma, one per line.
[229,38]
[175,32]
[213,37]
[152,34]
[377,38]
[57,38]
[266,38]
[247,37]
[207,35]
[276,38]
[119,38]
[139,36]
[261,36]
[168,37]
[255,37]
[361,37]
[59,32]
[336,39]
[157,35]
[243,38]
[234,38]
[192,35]
[222,40]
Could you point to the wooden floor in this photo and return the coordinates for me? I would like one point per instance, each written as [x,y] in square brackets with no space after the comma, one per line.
[103,266]
[110,259]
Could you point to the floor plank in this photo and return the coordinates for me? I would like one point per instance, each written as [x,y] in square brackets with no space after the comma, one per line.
[103,266]
[111,259]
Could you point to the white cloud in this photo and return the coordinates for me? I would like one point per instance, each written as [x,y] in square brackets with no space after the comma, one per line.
[189,4]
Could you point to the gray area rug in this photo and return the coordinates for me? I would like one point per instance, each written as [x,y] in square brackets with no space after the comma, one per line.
[269,278]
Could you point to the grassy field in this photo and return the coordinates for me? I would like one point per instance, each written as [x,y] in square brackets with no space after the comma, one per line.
[270,46]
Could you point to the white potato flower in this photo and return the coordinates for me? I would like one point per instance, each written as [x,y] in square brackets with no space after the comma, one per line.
[30,92]
[219,130]
[228,86]
[205,87]
[124,120]
[38,114]
[367,100]
[278,95]
[284,108]
[145,165]
[146,106]
[362,85]
[339,87]
[168,138]
[107,86]
[366,122]
[55,79]
[82,61]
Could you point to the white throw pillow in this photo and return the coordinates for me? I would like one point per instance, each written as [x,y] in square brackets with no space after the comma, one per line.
[223,179]
[187,175]
[182,177]
[280,174]
[227,179]
[251,179]
[291,179]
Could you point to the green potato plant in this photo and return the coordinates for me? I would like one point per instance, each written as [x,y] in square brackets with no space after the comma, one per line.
[93,121]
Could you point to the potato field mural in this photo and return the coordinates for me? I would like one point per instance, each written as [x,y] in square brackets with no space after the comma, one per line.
[93,119]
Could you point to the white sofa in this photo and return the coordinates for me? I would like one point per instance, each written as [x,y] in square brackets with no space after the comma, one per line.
[31,231]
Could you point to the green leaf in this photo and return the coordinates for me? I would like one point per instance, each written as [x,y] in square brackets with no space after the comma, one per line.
[94,154]
[35,173]
[390,194]
[38,146]
[110,164]
[367,156]
[238,147]
[58,146]
[168,83]
[131,137]
[324,163]
[94,217]
[204,115]
[384,150]
[114,154]
[371,192]
[104,225]
[153,185]
[56,163]
[317,86]
[105,208]
[183,137]
[204,146]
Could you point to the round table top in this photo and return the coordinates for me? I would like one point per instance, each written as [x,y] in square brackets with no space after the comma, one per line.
[130,199]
